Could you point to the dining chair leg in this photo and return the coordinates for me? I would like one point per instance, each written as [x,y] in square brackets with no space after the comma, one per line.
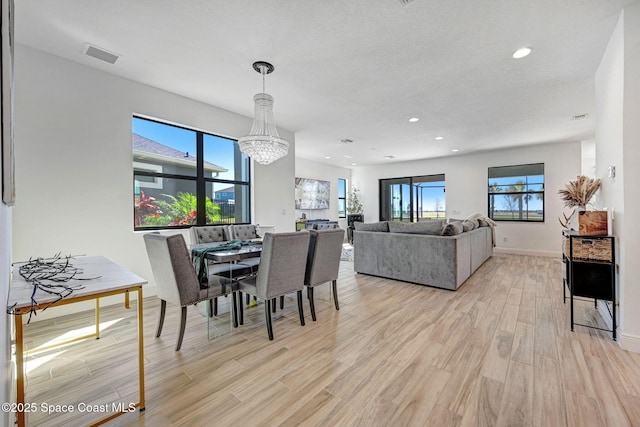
[300,309]
[215,306]
[241,308]
[183,322]
[273,305]
[234,309]
[248,299]
[312,305]
[335,294]
[163,309]
[282,302]
[267,315]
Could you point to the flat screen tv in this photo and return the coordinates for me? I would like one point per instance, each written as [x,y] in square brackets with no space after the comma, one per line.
[312,193]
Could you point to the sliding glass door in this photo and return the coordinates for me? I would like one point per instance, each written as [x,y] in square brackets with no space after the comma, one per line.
[412,199]
[395,199]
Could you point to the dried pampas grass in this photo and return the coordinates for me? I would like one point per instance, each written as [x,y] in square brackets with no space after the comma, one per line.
[578,192]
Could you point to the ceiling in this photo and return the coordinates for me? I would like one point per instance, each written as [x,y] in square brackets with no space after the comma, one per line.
[356,69]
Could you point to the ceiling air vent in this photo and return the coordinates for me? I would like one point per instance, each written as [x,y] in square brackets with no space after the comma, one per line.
[101,54]
[405,2]
[346,141]
[579,117]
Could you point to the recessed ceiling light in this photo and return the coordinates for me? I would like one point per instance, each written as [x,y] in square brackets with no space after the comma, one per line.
[327,157]
[455,150]
[354,164]
[439,138]
[413,119]
[521,53]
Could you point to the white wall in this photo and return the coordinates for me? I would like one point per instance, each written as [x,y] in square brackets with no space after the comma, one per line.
[74,176]
[315,170]
[466,190]
[631,171]
[617,136]
[588,151]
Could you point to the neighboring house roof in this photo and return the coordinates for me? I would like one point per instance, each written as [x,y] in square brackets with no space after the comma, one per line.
[226,190]
[147,149]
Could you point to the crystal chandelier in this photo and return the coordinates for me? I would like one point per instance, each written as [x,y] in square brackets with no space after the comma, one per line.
[263,144]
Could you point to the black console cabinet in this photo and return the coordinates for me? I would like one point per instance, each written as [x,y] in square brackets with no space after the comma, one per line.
[590,270]
[351,218]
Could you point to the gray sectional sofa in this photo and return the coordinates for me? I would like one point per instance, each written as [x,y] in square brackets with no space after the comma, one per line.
[419,253]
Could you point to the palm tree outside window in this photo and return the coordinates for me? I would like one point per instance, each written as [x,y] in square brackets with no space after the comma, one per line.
[516,193]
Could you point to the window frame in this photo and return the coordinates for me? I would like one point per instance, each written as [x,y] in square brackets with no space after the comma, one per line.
[539,194]
[342,184]
[200,180]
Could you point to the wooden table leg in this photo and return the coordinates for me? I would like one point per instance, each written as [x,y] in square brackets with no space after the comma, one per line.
[140,348]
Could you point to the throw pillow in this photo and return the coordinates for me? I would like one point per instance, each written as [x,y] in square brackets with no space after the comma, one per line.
[452,229]
[467,226]
[371,226]
[482,222]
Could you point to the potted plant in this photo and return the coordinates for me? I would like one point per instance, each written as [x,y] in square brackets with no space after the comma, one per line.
[354,207]
[354,211]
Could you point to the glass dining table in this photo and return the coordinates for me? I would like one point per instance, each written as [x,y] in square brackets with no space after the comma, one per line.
[218,256]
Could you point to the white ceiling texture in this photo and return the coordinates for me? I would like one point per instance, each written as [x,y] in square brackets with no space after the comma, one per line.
[356,69]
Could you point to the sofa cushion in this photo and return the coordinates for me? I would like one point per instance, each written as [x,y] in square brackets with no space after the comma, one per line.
[433,228]
[371,226]
[452,229]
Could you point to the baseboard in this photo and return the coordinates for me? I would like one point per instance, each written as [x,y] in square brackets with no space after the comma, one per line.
[630,342]
[625,341]
[532,252]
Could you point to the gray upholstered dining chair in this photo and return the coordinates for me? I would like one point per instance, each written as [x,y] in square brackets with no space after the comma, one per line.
[201,234]
[246,232]
[281,272]
[323,263]
[209,234]
[176,280]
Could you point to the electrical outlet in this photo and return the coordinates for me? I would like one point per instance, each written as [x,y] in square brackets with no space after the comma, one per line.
[504,239]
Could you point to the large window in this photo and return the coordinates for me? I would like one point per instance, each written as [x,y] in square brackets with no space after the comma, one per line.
[342,198]
[183,177]
[516,193]
[412,199]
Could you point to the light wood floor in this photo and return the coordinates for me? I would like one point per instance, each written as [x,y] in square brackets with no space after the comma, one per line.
[497,352]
